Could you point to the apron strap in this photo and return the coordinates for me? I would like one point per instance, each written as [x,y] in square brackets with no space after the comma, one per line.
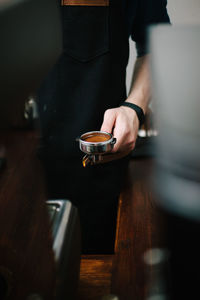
[85,2]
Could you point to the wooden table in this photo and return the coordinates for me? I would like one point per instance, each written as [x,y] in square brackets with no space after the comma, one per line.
[139,228]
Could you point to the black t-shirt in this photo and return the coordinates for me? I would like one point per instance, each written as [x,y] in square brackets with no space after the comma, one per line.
[139,15]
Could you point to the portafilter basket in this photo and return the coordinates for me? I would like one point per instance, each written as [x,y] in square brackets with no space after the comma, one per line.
[96,142]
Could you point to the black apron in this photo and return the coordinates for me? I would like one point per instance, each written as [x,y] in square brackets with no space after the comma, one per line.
[88,79]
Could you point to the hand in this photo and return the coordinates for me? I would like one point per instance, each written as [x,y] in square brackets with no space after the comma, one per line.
[123,123]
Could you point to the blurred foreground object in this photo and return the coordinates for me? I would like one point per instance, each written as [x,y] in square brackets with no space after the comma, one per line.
[39,255]
[176,73]
[175,69]
[157,273]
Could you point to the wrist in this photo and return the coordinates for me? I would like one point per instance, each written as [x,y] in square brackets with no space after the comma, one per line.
[138,110]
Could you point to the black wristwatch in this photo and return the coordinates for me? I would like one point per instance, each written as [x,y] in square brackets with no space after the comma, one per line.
[138,110]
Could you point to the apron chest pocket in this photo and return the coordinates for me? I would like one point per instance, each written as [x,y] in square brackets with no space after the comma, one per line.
[86,31]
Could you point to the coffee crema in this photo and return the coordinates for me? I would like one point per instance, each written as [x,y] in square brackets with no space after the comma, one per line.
[97,138]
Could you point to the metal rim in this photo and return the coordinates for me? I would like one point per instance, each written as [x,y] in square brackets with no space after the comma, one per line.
[96,143]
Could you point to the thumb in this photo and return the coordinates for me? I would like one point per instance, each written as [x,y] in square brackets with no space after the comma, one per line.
[108,120]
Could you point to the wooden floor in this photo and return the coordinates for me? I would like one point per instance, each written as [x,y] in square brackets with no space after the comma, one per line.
[95,278]
[124,273]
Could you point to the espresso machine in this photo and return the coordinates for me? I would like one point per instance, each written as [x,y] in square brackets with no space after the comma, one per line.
[39,238]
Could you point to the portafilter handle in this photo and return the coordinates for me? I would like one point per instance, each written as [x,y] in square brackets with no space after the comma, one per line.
[91,159]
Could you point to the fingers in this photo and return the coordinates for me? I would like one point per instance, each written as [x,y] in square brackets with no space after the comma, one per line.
[123,124]
[125,136]
[120,134]
[109,120]
[125,131]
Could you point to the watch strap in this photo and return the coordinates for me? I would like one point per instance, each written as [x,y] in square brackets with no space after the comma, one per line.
[137,109]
